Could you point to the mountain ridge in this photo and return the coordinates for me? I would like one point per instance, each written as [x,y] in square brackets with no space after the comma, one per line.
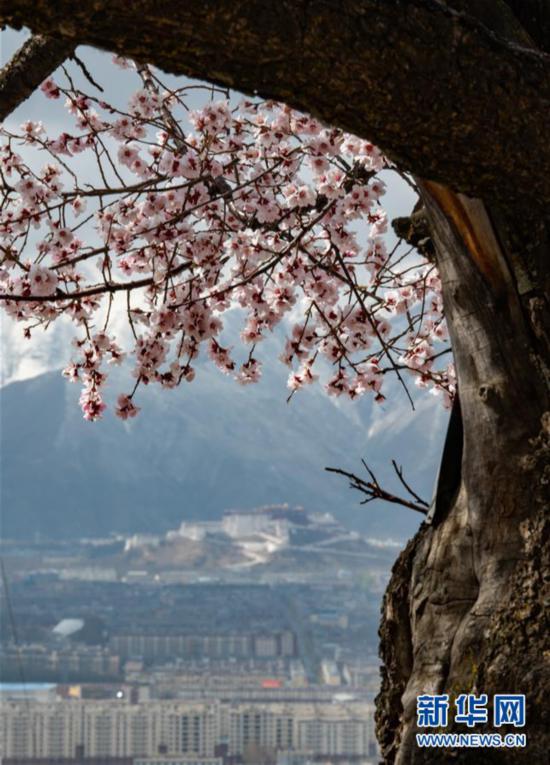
[196,451]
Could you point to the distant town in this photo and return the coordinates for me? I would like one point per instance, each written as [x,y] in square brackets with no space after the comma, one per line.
[250,639]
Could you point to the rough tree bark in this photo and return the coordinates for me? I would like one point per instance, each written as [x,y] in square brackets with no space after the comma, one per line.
[458,93]
[465,610]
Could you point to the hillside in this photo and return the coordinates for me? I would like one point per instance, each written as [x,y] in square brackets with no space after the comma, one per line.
[198,450]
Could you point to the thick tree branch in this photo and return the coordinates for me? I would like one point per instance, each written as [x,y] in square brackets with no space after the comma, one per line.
[34,62]
[442,94]
[534,15]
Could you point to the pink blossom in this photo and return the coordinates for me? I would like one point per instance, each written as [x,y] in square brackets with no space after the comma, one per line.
[256,207]
[79,205]
[250,372]
[125,408]
[50,89]
[91,404]
[338,384]
[42,281]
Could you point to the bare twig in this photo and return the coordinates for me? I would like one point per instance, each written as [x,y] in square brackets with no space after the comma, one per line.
[399,470]
[373,490]
[86,72]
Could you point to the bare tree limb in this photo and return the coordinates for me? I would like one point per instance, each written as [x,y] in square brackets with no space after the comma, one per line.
[32,64]
[373,490]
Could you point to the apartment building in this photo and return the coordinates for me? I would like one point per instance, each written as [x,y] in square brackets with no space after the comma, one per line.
[191,730]
[106,729]
[322,729]
[189,646]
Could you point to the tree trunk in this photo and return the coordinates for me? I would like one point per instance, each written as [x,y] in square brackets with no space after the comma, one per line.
[464,611]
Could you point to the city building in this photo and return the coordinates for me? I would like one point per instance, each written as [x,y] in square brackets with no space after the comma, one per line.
[187,732]
[107,729]
[65,661]
[330,674]
[149,647]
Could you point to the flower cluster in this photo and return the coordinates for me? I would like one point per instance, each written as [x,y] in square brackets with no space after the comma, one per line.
[189,214]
